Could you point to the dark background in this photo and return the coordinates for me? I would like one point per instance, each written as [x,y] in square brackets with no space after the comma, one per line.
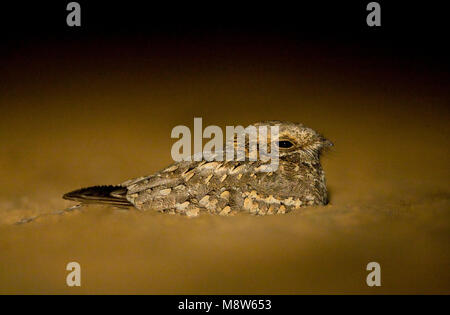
[408,29]
[412,38]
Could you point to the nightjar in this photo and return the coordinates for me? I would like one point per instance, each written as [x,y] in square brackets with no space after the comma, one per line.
[228,187]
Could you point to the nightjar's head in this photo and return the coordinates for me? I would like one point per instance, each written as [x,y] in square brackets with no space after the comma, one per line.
[297,142]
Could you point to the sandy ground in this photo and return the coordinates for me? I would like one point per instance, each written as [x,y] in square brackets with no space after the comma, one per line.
[66,126]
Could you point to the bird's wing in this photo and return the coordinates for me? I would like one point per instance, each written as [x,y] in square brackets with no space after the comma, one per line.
[185,182]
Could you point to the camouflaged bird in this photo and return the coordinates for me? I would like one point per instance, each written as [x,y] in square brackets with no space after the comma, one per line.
[228,187]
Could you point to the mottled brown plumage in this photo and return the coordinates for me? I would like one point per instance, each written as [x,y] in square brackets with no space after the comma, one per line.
[227,187]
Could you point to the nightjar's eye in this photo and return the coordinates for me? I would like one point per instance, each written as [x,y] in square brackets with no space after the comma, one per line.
[285,144]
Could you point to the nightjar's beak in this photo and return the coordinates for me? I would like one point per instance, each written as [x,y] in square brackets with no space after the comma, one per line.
[327,144]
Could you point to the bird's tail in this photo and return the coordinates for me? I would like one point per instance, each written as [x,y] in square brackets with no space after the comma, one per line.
[110,195]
